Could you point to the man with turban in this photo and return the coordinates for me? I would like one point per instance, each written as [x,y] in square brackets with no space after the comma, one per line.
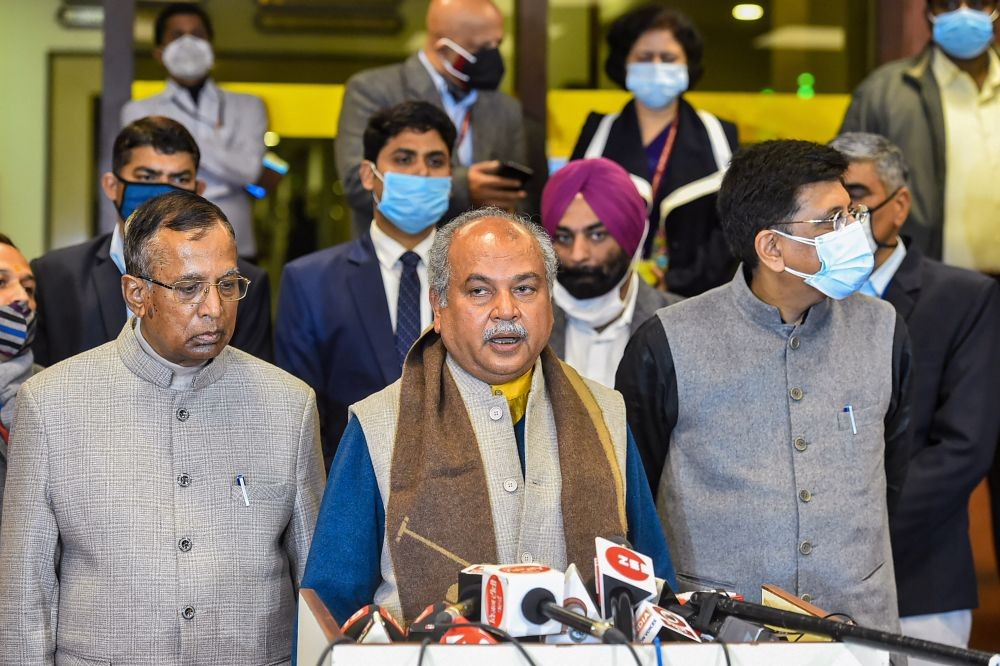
[598,222]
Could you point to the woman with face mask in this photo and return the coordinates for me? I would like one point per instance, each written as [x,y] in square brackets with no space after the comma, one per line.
[655,53]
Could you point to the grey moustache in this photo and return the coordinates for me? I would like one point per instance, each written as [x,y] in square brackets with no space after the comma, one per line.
[505,328]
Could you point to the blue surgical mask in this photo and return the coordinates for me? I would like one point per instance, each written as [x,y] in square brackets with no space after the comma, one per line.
[413,203]
[136,194]
[656,84]
[964,33]
[846,261]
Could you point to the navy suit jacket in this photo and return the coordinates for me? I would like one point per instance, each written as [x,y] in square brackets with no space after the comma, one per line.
[80,303]
[333,331]
[953,316]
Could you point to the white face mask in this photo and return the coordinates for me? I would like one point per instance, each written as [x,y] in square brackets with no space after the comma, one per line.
[600,310]
[607,307]
[189,58]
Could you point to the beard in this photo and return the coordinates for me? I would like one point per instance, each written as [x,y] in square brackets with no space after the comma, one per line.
[583,282]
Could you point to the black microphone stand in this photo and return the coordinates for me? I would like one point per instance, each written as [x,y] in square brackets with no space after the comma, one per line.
[705,605]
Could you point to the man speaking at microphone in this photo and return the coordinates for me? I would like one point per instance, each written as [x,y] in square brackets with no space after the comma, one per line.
[488,449]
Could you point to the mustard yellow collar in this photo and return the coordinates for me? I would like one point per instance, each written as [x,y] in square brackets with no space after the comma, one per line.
[516,391]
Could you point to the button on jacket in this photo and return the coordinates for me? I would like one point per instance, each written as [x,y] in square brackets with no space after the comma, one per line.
[127,538]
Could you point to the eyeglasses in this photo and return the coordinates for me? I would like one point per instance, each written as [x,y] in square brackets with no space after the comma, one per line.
[951,5]
[840,219]
[190,292]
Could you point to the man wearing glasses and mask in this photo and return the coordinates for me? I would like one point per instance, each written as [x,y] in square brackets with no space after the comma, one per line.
[80,303]
[771,413]
[164,485]
[953,316]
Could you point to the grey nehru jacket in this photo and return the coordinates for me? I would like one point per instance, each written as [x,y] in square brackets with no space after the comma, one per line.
[125,539]
[757,469]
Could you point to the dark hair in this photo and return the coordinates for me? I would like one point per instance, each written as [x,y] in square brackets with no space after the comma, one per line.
[5,240]
[627,29]
[762,185]
[178,211]
[163,134]
[412,115]
[179,9]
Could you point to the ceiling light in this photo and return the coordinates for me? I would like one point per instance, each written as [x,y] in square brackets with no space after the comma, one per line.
[747,12]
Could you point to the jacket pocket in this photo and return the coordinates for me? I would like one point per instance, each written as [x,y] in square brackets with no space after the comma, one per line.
[694,583]
[262,492]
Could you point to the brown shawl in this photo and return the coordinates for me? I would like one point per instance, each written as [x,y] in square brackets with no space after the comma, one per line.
[439,517]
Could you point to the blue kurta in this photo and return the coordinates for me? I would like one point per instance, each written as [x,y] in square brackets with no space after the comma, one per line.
[344,560]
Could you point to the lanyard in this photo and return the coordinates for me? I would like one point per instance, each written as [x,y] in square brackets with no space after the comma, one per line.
[464,129]
[661,165]
[5,434]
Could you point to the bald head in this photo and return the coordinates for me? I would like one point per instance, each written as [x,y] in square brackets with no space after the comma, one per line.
[469,25]
[456,19]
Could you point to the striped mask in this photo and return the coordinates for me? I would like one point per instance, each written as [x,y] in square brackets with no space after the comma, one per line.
[17,329]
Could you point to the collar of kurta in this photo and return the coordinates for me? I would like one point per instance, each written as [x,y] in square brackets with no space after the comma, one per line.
[148,368]
[768,316]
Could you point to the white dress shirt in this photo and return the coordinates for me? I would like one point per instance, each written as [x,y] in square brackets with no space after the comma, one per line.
[388,251]
[596,354]
[880,278]
[456,110]
[229,129]
[972,150]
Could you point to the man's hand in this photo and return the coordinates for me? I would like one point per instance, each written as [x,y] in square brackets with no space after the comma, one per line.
[488,189]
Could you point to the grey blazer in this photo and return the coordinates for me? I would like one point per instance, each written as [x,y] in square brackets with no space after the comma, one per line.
[647,301]
[497,130]
[126,539]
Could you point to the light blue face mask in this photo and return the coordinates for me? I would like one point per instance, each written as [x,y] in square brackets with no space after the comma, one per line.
[412,203]
[846,261]
[964,33]
[656,84]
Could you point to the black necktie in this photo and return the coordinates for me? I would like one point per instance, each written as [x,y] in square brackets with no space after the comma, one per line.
[408,306]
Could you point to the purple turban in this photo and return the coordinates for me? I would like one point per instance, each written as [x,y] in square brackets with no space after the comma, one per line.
[608,189]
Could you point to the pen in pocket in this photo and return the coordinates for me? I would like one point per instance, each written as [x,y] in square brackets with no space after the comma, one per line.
[241,482]
[850,412]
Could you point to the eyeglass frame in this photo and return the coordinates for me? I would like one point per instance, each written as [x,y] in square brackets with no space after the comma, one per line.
[204,292]
[857,212]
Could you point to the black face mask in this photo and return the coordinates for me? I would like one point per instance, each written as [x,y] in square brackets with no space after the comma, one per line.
[484,74]
[583,282]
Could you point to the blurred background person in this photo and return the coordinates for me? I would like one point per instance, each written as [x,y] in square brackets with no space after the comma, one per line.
[458,69]
[229,127]
[942,108]
[17,331]
[80,302]
[953,316]
[597,221]
[655,53]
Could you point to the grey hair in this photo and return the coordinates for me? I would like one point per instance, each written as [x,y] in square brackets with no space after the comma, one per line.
[890,165]
[439,268]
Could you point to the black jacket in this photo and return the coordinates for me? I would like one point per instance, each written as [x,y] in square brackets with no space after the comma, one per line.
[699,257]
[80,303]
[953,316]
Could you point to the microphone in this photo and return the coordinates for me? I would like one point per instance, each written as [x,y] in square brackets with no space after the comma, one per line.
[624,578]
[437,619]
[576,597]
[373,624]
[539,605]
[505,587]
[655,621]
